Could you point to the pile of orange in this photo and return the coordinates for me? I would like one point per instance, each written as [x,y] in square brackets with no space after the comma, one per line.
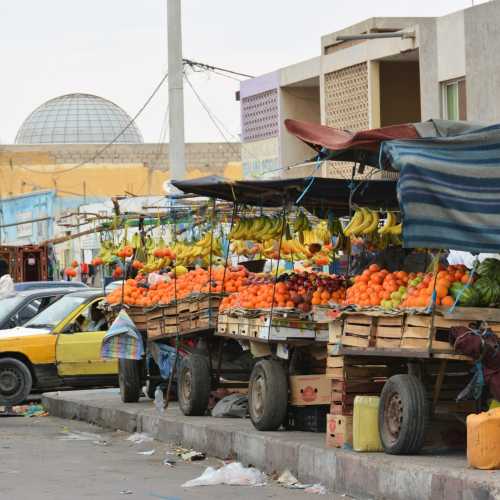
[374,285]
[258,297]
[420,296]
[196,281]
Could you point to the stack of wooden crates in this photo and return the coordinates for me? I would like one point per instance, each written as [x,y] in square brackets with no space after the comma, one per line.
[349,376]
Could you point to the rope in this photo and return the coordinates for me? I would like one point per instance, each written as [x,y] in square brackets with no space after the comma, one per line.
[312,178]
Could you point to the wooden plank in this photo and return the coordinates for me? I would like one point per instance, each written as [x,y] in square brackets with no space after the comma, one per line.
[411,343]
[336,362]
[357,329]
[439,381]
[386,353]
[416,332]
[357,386]
[390,321]
[358,372]
[439,345]
[386,343]
[416,320]
[389,332]
[473,314]
[359,320]
[355,341]
[457,357]
[440,322]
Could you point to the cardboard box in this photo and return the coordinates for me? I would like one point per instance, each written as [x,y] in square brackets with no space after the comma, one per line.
[308,390]
[338,431]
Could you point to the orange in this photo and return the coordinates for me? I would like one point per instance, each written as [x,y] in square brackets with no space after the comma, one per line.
[447,301]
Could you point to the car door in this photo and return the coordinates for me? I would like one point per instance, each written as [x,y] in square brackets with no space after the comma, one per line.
[78,350]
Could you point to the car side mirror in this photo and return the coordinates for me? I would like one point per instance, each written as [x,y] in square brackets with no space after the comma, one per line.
[12,323]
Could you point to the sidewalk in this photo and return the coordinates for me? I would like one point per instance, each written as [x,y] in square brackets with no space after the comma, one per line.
[371,475]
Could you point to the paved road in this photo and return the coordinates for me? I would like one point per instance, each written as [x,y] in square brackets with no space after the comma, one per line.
[41,459]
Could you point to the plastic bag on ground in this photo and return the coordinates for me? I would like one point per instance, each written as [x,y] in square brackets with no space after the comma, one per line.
[233,474]
[234,405]
[140,437]
[316,489]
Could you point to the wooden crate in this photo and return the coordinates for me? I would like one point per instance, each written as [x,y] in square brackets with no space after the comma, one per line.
[388,332]
[357,330]
[343,368]
[338,431]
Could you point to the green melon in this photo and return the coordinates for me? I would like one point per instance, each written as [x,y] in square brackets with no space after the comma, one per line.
[470,297]
[489,268]
[488,289]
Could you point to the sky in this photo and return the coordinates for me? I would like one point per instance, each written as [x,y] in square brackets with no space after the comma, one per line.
[117,49]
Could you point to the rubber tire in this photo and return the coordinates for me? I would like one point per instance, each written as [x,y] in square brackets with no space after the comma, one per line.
[129,377]
[194,385]
[25,381]
[274,403]
[415,415]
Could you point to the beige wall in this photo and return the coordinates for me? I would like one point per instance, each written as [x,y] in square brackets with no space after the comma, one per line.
[140,169]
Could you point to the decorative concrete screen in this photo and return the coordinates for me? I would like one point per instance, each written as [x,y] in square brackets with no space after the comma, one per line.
[346,98]
[347,107]
[260,116]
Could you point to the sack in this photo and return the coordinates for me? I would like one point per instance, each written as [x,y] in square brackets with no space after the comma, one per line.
[234,405]
[6,286]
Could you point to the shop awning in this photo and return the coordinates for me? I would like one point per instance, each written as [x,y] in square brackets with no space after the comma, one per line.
[449,190]
[322,193]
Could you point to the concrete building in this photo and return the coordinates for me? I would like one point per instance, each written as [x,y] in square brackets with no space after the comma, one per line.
[408,70]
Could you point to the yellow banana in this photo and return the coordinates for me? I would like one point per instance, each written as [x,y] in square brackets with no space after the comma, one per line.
[356,220]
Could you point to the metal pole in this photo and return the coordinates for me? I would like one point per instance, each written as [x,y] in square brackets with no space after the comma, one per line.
[175,91]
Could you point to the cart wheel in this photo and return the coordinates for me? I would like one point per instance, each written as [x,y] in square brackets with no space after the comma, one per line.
[403,415]
[268,395]
[129,377]
[194,385]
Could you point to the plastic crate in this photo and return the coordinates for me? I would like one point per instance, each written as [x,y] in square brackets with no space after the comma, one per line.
[307,418]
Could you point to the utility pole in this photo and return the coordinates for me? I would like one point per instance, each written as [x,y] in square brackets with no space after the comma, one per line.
[177,159]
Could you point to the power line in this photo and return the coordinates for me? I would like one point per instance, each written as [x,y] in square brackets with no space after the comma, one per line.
[209,113]
[210,67]
[104,148]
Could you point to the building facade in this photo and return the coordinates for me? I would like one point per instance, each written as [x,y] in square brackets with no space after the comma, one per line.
[379,72]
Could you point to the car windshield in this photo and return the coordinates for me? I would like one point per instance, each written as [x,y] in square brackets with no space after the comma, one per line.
[54,314]
[8,306]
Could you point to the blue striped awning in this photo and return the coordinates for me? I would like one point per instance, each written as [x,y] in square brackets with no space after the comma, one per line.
[449,190]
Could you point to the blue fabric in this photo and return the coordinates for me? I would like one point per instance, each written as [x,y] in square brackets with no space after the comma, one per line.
[449,190]
[122,340]
[164,356]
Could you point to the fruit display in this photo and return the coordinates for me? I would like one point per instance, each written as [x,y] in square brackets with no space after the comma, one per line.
[138,292]
[299,291]
[377,287]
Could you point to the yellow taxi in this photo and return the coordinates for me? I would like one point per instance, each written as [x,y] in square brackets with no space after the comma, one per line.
[60,347]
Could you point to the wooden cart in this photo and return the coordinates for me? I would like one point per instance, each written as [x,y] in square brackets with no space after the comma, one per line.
[406,359]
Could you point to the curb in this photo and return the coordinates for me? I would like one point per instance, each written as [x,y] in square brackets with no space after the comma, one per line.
[362,476]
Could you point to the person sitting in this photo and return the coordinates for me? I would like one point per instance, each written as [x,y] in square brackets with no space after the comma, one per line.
[97,320]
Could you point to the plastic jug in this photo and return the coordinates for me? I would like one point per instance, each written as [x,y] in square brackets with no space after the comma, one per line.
[483,440]
[365,430]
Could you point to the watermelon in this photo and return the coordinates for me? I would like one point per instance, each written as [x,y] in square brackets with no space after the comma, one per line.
[489,268]
[470,297]
[488,289]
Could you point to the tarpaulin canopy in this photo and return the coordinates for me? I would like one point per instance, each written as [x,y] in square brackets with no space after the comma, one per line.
[322,193]
[363,147]
[449,190]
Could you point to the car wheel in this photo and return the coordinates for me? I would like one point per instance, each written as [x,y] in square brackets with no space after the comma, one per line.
[15,381]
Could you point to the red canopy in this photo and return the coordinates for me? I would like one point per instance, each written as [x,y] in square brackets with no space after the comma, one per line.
[318,136]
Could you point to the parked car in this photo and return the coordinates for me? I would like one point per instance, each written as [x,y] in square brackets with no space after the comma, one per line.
[58,348]
[32,285]
[17,309]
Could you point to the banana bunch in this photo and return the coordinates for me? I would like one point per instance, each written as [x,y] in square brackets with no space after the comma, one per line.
[391,226]
[187,254]
[242,247]
[294,249]
[363,222]
[107,252]
[301,223]
[257,228]
[318,234]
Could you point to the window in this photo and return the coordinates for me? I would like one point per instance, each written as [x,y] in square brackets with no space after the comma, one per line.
[454,100]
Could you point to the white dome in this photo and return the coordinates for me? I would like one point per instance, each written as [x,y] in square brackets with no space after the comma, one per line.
[78,119]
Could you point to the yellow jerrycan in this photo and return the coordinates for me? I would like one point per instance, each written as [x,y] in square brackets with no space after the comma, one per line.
[365,432]
[483,440]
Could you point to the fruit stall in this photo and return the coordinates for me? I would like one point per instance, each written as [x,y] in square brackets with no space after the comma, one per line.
[312,293]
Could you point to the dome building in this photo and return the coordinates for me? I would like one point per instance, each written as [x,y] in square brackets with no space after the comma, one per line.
[78,119]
